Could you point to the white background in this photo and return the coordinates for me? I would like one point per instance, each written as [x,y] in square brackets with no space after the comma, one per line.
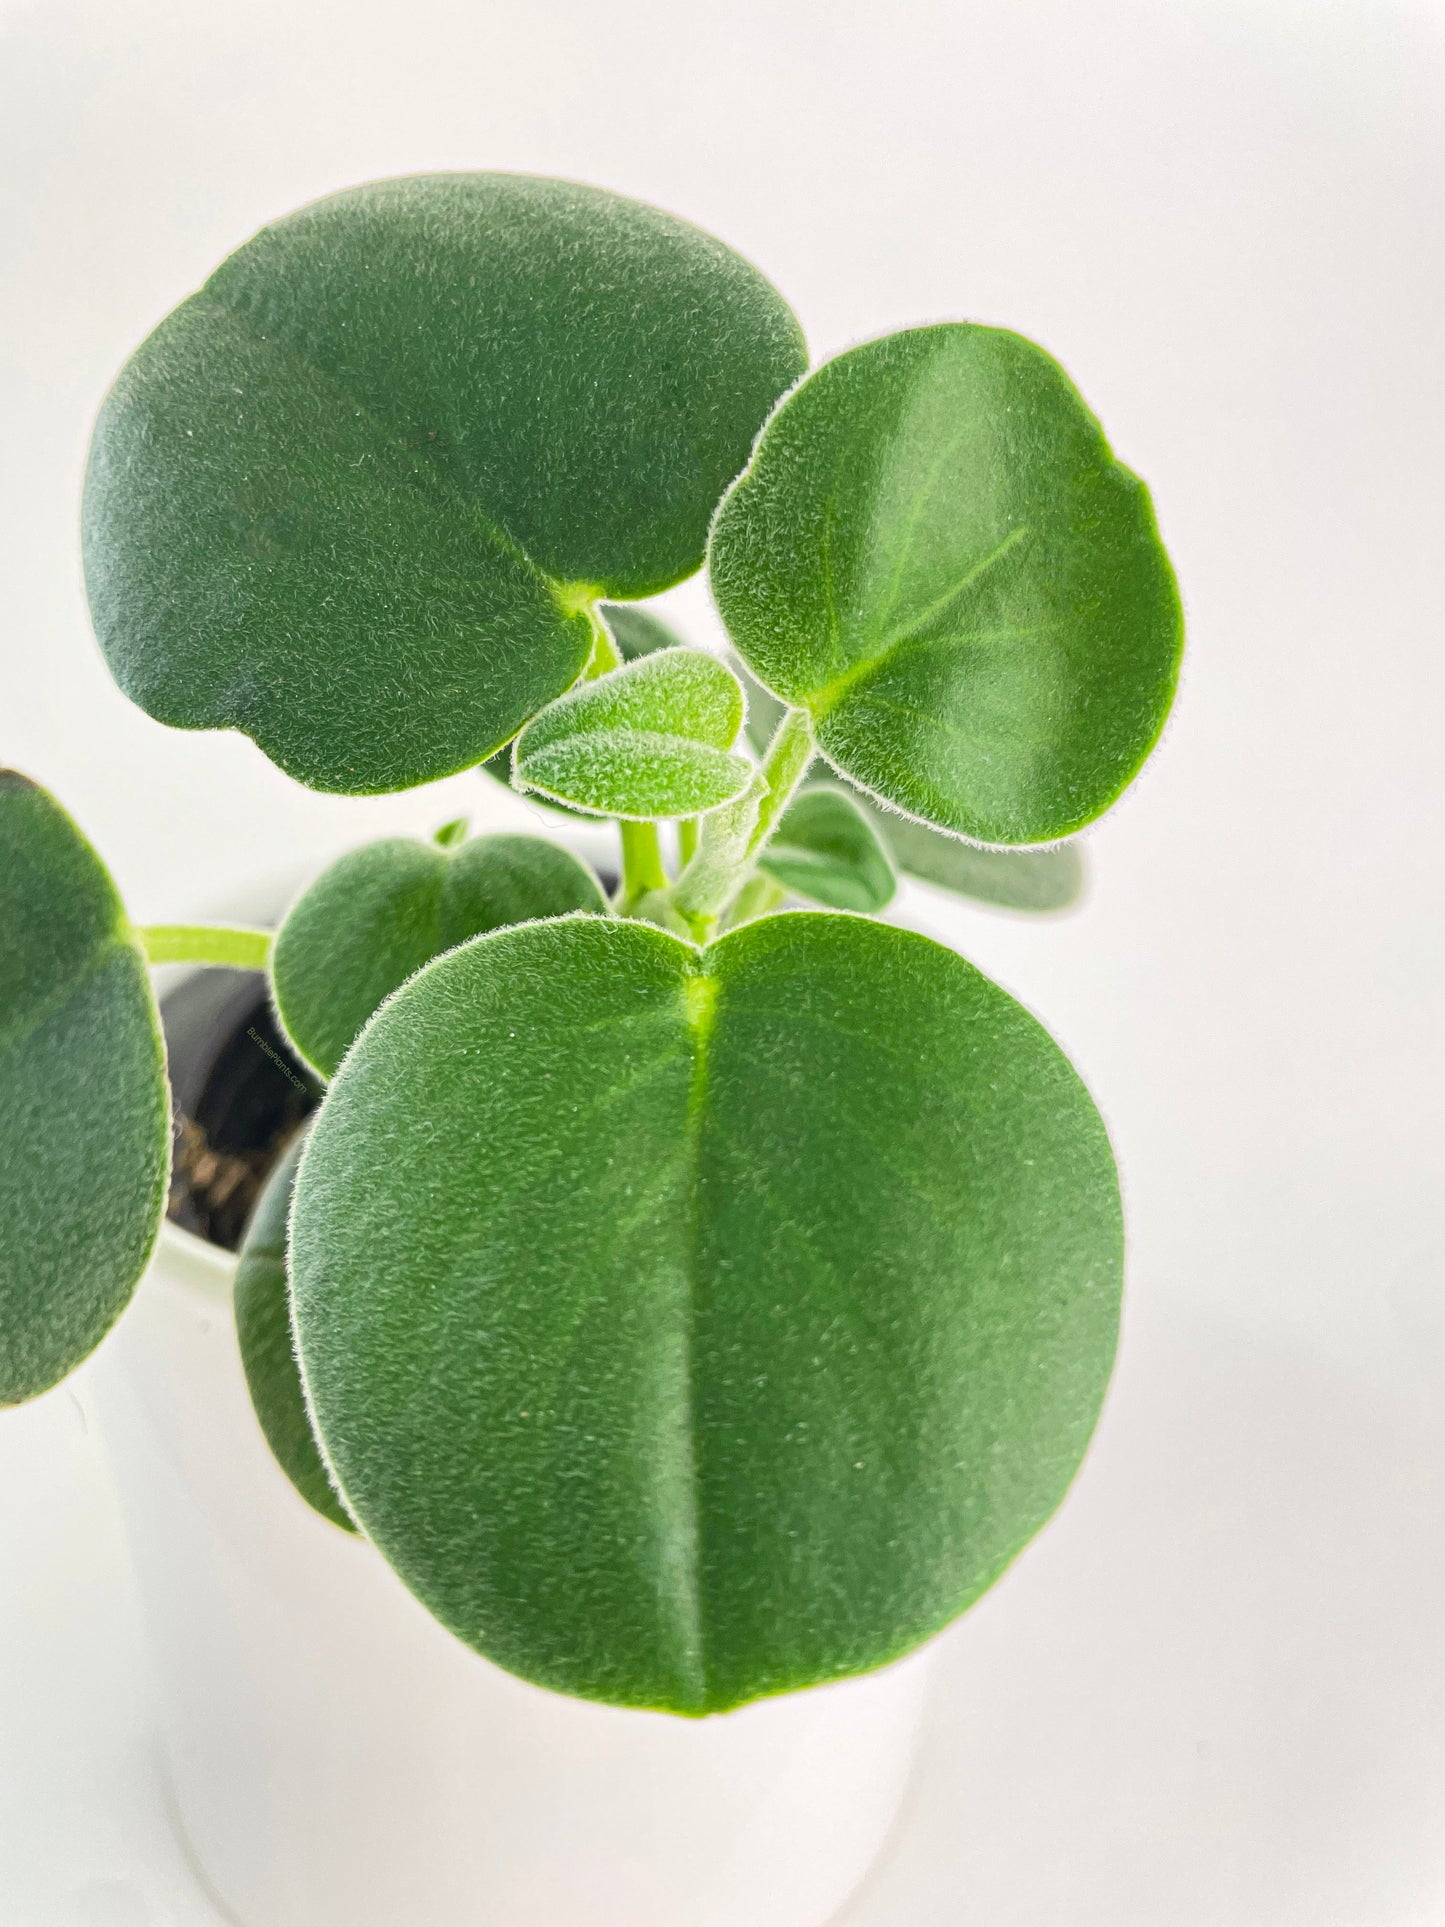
[1214,1693]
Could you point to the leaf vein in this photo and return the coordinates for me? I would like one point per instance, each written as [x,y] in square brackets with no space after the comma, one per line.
[416,459]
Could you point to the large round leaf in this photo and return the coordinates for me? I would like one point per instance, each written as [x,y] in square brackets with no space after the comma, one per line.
[1043,880]
[934,551]
[354,496]
[84,1113]
[379,913]
[268,1355]
[689,1326]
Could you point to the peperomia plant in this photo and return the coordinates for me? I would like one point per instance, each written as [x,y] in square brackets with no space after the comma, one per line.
[691,1302]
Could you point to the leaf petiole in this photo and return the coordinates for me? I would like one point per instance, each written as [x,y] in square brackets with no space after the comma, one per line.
[784,767]
[730,838]
[642,868]
[206,943]
[720,864]
[606,656]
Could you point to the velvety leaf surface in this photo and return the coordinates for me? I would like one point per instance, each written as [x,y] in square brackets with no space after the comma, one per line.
[652,739]
[1037,880]
[263,1326]
[85,1121]
[379,913]
[825,848]
[934,551]
[353,496]
[712,1323]
[637,632]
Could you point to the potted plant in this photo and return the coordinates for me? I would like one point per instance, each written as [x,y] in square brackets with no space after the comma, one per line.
[687,1297]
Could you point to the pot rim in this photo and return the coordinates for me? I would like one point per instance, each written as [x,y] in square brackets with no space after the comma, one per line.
[193,1264]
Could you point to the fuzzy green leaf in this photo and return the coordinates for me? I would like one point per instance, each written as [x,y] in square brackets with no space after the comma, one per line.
[690,1326]
[653,739]
[85,1116]
[381,912]
[934,551]
[637,632]
[354,496]
[1035,880]
[826,849]
[268,1354]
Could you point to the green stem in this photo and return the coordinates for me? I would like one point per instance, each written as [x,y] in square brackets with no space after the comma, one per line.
[784,766]
[606,656]
[206,943]
[642,869]
[730,838]
[686,841]
[721,862]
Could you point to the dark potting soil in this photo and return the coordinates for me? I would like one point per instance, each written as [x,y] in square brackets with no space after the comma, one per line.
[239,1094]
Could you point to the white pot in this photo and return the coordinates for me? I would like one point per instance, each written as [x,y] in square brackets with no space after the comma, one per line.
[338,1760]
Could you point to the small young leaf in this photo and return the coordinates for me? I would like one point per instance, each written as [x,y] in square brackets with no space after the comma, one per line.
[263,1326]
[934,551]
[637,632]
[826,849]
[653,739]
[85,1117]
[687,1326]
[354,496]
[381,912]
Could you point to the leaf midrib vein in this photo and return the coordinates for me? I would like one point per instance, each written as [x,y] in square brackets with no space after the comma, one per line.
[416,459]
[701,995]
[909,640]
